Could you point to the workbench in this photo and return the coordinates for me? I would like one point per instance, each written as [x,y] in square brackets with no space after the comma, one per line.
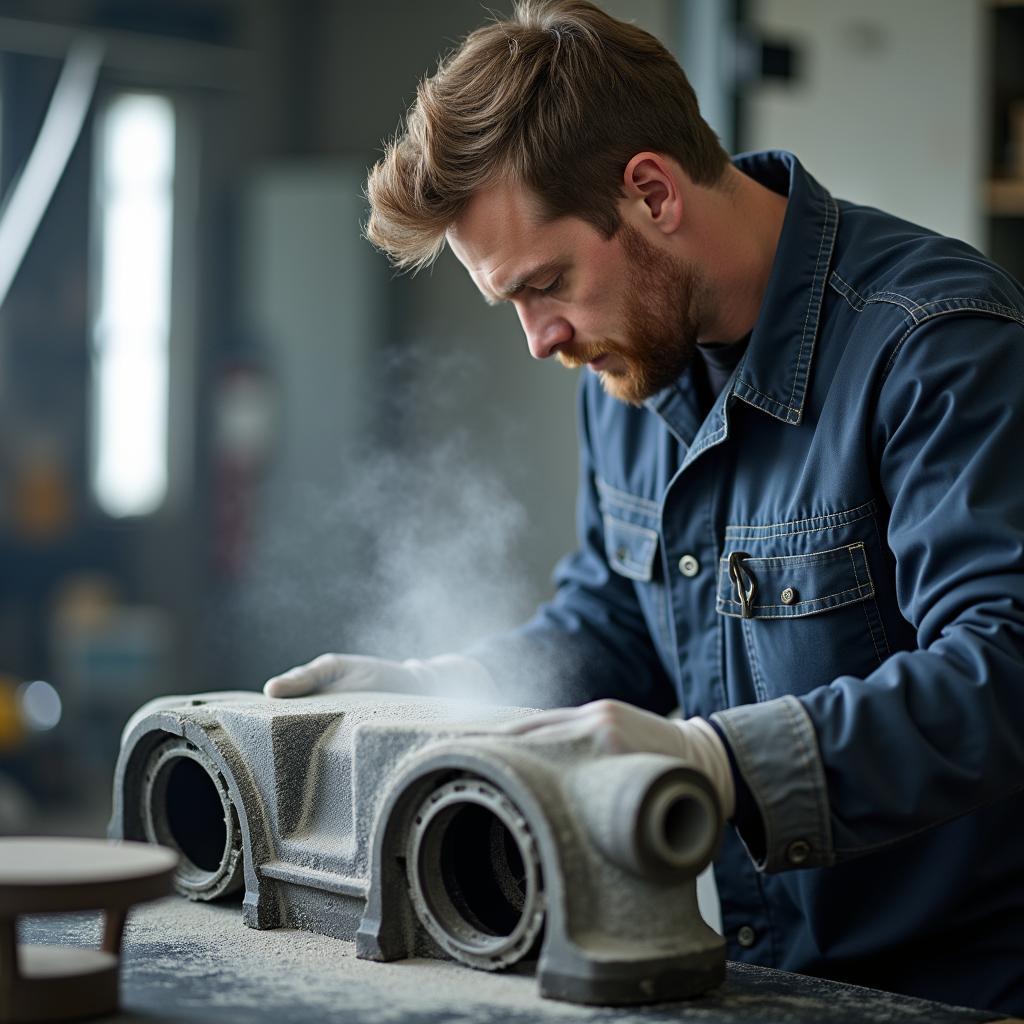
[198,962]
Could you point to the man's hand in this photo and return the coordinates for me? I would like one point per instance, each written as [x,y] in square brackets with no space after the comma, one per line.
[617,728]
[448,675]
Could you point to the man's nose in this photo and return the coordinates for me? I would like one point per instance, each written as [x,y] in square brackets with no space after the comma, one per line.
[544,333]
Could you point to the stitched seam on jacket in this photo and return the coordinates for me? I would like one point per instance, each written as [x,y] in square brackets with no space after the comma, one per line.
[723,696]
[612,501]
[877,615]
[648,533]
[641,573]
[976,303]
[821,524]
[798,733]
[626,499]
[894,299]
[806,519]
[932,316]
[845,289]
[881,624]
[816,296]
[922,311]
[793,611]
[768,398]
[634,567]
[785,561]
[760,690]
[867,614]
[713,438]
[820,793]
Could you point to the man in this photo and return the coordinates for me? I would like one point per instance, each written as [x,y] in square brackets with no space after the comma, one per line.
[800,517]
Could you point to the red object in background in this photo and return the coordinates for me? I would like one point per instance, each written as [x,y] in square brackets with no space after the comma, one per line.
[244,420]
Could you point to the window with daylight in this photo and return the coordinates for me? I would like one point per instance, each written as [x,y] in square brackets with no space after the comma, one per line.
[134,176]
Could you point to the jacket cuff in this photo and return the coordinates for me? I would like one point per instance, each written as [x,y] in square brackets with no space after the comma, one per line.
[746,817]
[776,751]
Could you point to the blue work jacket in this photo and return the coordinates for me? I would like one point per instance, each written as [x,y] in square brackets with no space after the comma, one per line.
[829,565]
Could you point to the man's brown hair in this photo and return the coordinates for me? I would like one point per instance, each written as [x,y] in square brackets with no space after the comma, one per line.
[558,98]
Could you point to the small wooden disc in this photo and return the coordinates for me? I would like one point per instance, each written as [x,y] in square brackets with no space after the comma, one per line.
[39,876]
[52,875]
[62,983]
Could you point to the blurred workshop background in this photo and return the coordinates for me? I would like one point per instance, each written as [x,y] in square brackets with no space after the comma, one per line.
[231,439]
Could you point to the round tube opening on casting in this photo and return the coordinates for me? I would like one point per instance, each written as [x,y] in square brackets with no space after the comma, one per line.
[474,874]
[186,806]
[682,824]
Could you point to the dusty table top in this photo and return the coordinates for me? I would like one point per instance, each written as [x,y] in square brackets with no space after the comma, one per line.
[197,962]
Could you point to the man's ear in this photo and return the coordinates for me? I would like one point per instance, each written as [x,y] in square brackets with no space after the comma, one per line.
[649,179]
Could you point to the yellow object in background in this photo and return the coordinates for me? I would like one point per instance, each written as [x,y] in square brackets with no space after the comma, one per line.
[41,507]
[12,725]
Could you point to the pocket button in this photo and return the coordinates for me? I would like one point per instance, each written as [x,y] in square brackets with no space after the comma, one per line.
[746,936]
[789,596]
[689,566]
[798,851]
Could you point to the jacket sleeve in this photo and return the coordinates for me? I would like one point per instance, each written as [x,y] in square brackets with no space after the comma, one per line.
[590,640]
[936,732]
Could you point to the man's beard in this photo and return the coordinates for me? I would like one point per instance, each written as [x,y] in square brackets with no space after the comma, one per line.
[660,320]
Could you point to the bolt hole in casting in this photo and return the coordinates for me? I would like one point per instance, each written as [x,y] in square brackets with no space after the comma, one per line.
[186,806]
[474,874]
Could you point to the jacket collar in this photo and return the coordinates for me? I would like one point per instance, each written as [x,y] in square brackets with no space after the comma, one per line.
[775,369]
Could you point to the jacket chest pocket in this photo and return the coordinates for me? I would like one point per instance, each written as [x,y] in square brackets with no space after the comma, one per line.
[630,549]
[801,620]
[631,543]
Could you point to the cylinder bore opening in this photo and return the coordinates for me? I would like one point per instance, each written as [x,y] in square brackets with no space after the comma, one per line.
[186,806]
[482,869]
[475,876]
[195,814]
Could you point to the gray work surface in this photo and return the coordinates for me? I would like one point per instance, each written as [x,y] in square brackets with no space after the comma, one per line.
[197,962]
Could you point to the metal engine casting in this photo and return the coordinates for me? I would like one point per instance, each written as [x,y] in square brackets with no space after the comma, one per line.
[395,822]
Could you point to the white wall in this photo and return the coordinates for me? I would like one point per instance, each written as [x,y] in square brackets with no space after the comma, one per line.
[889,110]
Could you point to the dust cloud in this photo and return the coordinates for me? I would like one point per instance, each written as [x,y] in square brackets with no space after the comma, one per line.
[407,554]
[402,536]
[441,535]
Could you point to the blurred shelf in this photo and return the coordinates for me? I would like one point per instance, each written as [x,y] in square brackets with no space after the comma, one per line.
[1005,196]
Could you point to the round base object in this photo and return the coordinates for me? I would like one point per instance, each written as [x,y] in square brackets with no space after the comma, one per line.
[64,983]
[40,876]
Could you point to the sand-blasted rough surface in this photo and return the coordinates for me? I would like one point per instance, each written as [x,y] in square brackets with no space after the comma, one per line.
[198,962]
[412,828]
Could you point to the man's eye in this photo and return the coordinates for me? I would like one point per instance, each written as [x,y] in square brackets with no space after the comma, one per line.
[553,287]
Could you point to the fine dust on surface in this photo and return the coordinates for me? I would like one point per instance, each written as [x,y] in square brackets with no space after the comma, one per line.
[199,962]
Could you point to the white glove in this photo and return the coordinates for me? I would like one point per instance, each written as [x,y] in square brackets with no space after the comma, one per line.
[618,728]
[448,675]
